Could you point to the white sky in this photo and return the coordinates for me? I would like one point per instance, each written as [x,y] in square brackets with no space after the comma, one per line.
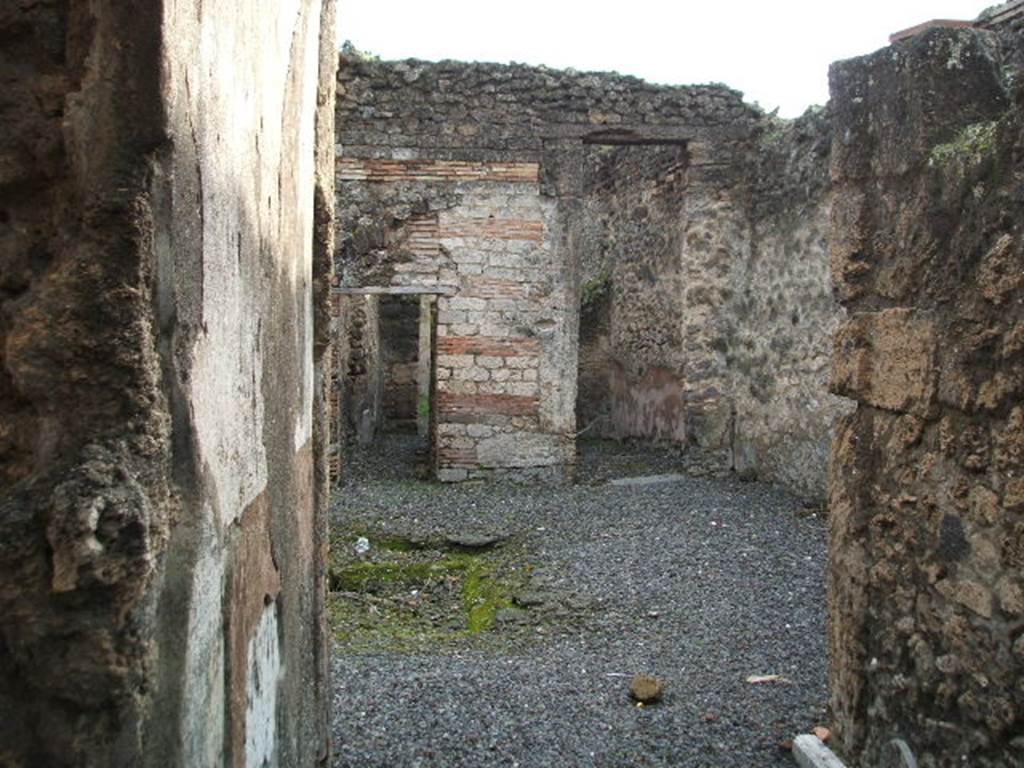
[777,53]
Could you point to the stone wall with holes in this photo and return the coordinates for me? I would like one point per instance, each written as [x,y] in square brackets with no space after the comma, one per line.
[470,179]
[706,301]
[166,198]
[926,594]
[779,313]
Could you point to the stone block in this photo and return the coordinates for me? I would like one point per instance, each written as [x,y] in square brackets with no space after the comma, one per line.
[486,361]
[809,752]
[465,304]
[521,449]
[525,389]
[450,316]
[455,362]
[1013,495]
[887,360]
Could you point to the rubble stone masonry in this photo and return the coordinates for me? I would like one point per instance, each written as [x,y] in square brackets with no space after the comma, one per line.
[514,190]
[926,593]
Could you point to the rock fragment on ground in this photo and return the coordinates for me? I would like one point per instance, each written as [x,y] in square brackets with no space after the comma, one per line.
[646,689]
[475,540]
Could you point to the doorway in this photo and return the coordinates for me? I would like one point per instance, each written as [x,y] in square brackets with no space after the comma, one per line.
[384,379]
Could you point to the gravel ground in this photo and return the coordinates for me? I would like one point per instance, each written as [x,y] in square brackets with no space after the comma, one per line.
[703,583]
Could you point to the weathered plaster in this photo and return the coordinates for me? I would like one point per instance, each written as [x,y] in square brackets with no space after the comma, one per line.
[169,178]
[261,692]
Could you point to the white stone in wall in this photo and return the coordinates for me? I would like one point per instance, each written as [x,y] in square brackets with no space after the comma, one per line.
[455,361]
[457,303]
[449,316]
[261,709]
[202,726]
[444,430]
[520,449]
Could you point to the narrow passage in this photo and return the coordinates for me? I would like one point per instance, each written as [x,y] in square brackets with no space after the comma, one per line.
[500,625]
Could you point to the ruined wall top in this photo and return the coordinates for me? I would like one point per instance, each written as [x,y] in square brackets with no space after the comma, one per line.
[455,109]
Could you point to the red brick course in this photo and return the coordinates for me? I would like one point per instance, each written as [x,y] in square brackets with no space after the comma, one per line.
[496,229]
[490,288]
[422,235]
[482,345]
[376,170]
[450,406]
[457,457]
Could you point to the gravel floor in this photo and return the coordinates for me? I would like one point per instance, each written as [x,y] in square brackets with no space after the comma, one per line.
[703,583]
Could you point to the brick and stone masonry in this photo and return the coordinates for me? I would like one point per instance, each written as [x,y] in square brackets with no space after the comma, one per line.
[513,190]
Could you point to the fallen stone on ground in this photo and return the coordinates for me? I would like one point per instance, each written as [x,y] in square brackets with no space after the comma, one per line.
[646,689]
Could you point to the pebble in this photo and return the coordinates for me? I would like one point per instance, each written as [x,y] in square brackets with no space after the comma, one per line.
[646,689]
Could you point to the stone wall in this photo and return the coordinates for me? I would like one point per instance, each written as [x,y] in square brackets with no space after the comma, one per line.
[642,379]
[690,226]
[780,312]
[927,535]
[163,200]
[471,180]
[361,369]
[707,301]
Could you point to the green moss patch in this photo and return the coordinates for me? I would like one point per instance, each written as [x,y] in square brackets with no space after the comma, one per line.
[970,146]
[484,593]
[595,289]
[407,595]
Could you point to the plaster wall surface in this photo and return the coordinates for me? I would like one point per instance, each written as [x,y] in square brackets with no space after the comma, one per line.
[164,176]
[926,593]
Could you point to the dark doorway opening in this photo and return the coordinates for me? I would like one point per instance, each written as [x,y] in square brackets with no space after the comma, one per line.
[385,376]
[399,353]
